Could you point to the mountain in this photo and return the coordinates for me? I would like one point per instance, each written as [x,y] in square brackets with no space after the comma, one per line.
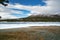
[36,18]
[40,15]
[44,18]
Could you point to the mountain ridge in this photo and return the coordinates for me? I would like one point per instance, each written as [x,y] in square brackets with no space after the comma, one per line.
[36,18]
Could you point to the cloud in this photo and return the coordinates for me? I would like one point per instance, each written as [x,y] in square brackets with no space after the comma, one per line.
[52,7]
[6,12]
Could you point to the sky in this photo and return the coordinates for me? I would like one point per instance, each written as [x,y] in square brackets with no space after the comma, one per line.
[25,8]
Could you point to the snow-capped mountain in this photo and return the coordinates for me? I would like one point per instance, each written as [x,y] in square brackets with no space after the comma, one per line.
[40,15]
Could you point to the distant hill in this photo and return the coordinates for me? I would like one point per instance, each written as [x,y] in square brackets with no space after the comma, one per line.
[37,18]
[40,15]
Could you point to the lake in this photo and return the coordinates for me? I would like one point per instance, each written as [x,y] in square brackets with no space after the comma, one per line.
[6,25]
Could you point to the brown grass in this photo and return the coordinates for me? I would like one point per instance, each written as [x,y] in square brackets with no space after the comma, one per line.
[32,33]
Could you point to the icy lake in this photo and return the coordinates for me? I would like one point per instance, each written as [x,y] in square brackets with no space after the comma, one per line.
[6,25]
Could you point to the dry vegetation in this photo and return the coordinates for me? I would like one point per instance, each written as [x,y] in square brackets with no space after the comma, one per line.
[32,33]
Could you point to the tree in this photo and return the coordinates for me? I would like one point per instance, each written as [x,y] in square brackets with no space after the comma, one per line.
[2,2]
[0,17]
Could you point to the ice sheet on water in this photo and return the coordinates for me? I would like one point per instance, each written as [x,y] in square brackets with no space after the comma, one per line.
[6,25]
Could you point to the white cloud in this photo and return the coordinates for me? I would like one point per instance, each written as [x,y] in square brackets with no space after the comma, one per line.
[52,7]
[6,12]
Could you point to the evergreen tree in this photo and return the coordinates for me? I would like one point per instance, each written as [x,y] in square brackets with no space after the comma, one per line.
[2,2]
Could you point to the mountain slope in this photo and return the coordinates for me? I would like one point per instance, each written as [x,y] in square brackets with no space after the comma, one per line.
[37,18]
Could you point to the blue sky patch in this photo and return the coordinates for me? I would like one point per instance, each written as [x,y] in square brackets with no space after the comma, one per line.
[23,14]
[29,2]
